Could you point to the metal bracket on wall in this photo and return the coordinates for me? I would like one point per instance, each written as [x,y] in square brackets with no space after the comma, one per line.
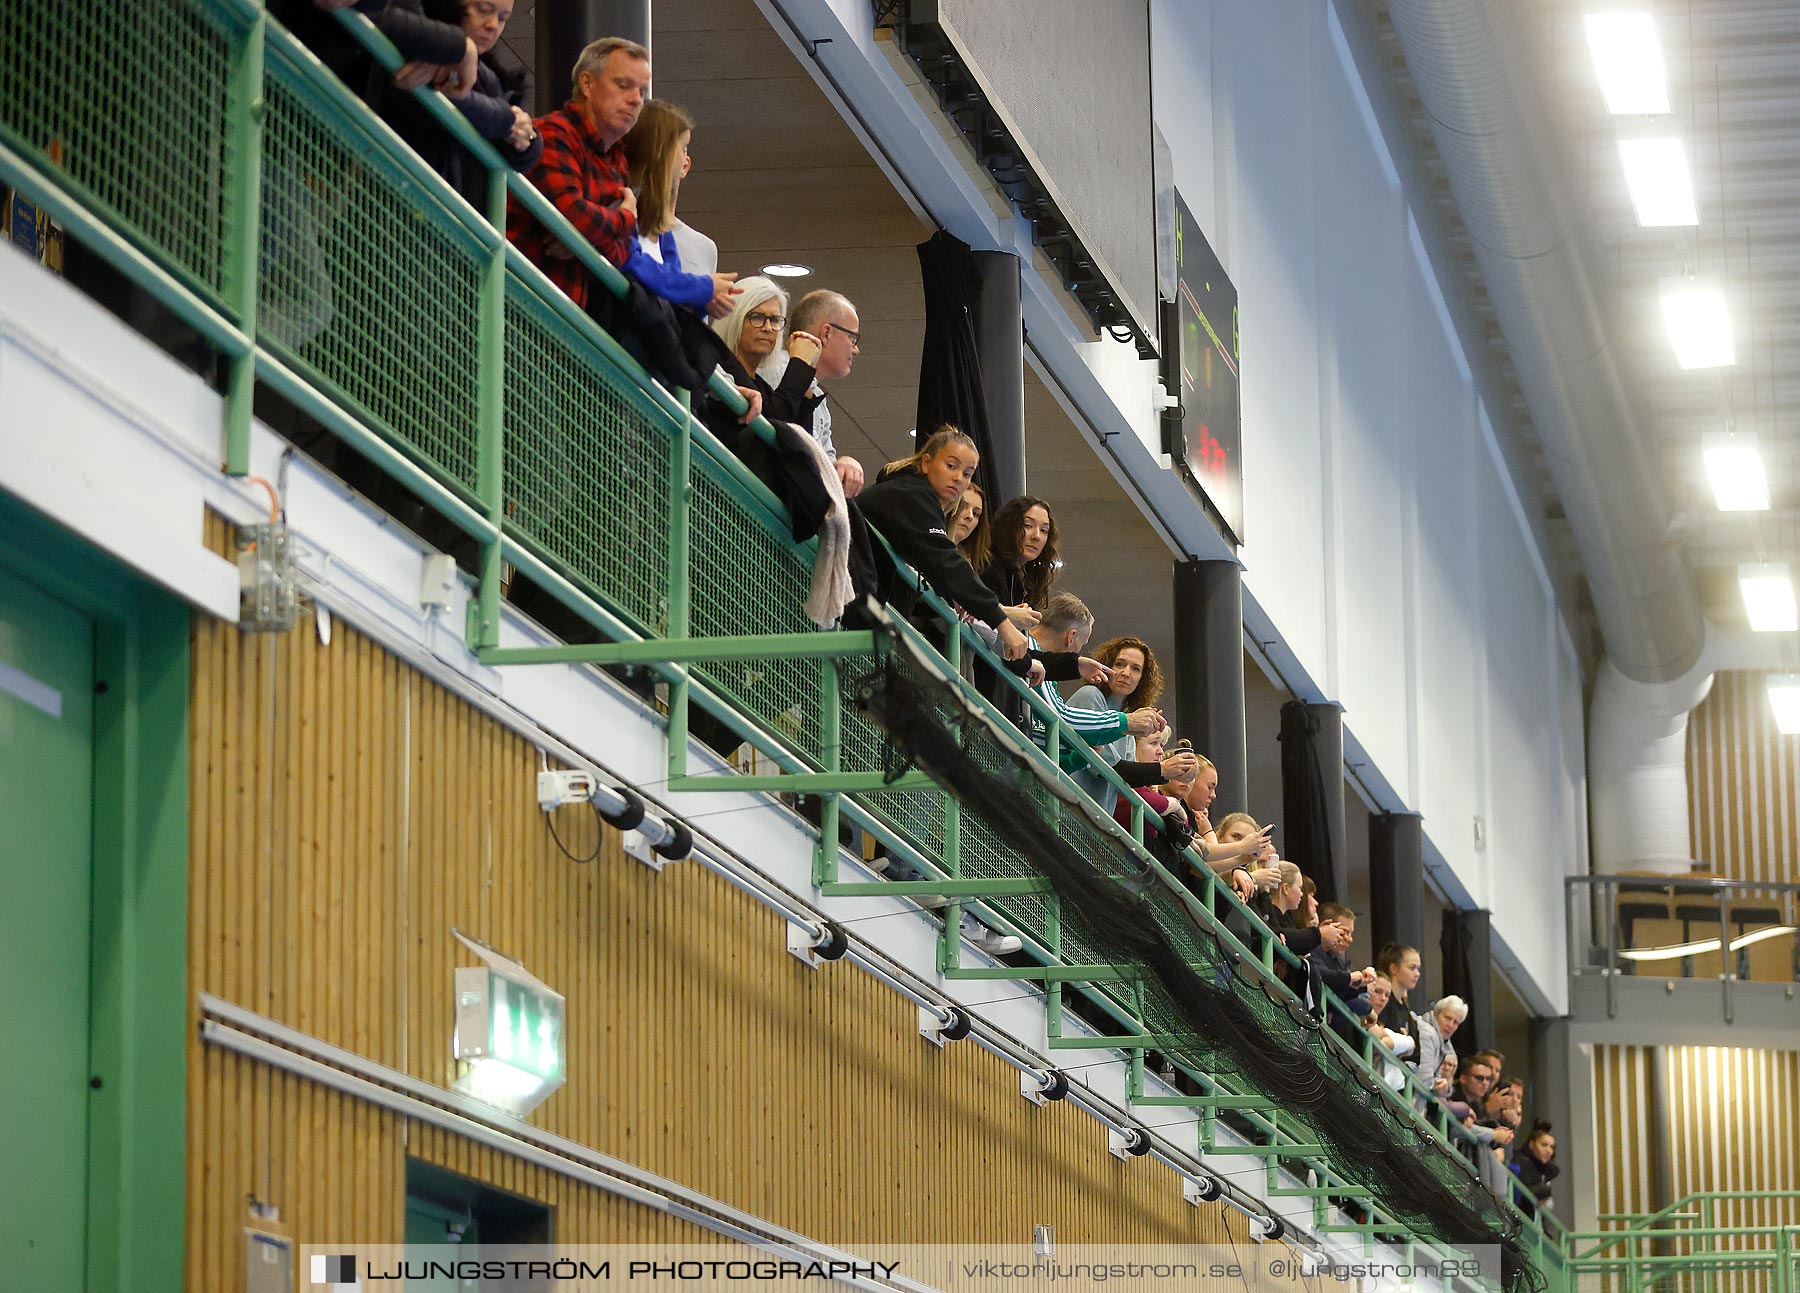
[266,581]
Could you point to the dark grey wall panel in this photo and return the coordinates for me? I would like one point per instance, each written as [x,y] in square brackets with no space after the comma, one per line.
[1071,80]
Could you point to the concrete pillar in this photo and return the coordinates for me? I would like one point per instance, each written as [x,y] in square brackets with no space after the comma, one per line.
[1000,344]
[565,28]
[1209,671]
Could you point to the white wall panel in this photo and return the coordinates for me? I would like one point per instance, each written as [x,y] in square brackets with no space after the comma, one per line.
[1438,409]
[1523,862]
[1359,258]
[1262,55]
[1383,541]
[1181,42]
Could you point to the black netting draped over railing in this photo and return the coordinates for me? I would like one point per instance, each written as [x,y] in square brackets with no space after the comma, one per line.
[1202,999]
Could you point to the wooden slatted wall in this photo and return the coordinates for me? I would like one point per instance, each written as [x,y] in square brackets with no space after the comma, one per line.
[1621,1128]
[347,812]
[1732,1123]
[1743,783]
[1734,1117]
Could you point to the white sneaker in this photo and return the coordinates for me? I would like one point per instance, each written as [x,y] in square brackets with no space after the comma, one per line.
[988,940]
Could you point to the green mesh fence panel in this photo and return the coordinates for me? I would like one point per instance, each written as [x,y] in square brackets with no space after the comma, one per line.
[747,580]
[128,102]
[367,281]
[587,467]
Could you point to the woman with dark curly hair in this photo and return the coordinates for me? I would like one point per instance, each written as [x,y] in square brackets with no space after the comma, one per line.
[1137,680]
[1136,683]
[1026,553]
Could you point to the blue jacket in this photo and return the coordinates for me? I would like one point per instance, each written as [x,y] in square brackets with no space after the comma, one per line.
[667,279]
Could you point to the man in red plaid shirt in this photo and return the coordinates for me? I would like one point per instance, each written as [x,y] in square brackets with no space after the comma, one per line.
[583,169]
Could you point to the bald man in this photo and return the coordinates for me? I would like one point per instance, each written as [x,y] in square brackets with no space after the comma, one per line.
[825,321]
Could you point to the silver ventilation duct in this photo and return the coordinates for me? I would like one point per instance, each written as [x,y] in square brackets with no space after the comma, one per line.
[1472,62]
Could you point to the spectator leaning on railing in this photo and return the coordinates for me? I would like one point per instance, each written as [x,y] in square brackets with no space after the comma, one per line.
[1059,636]
[437,53]
[828,323]
[1401,966]
[1394,1046]
[1535,1163]
[1026,553]
[656,150]
[909,505]
[1505,1108]
[1435,1051]
[969,528]
[1333,935]
[582,170]
[492,105]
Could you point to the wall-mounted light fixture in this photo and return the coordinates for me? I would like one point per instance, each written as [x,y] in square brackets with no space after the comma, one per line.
[509,1035]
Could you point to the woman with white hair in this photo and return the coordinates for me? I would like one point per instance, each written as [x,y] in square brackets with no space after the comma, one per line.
[1435,1049]
[751,330]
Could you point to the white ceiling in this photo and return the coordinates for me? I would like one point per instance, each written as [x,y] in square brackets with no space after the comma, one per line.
[1734,70]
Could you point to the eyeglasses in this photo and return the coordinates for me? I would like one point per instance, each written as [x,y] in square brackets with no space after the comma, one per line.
[852,333]
[760,320]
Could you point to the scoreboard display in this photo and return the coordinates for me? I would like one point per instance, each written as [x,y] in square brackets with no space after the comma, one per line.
[1204,442]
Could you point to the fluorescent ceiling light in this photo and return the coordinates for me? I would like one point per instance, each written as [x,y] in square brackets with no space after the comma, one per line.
[1699,323]
[1768,596]
[1662,189]
[1628,59]
[1700,945]
[786,269]
[1734,466]
[1784,699]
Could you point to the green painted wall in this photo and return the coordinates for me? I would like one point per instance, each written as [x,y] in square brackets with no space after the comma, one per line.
[46,869]
[133,937]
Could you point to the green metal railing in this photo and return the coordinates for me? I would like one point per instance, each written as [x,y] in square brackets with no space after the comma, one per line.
[240,185]
[1683,1248]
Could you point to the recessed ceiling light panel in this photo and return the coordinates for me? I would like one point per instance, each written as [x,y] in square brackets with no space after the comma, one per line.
[786,269]
[1628,57]
[1768,596]
[1699,322]
[1661,186]
[1734,468]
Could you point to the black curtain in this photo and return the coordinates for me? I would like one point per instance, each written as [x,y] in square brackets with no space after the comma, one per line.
[1306,833]
[950,388]
[1397,882]
[1468,973]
